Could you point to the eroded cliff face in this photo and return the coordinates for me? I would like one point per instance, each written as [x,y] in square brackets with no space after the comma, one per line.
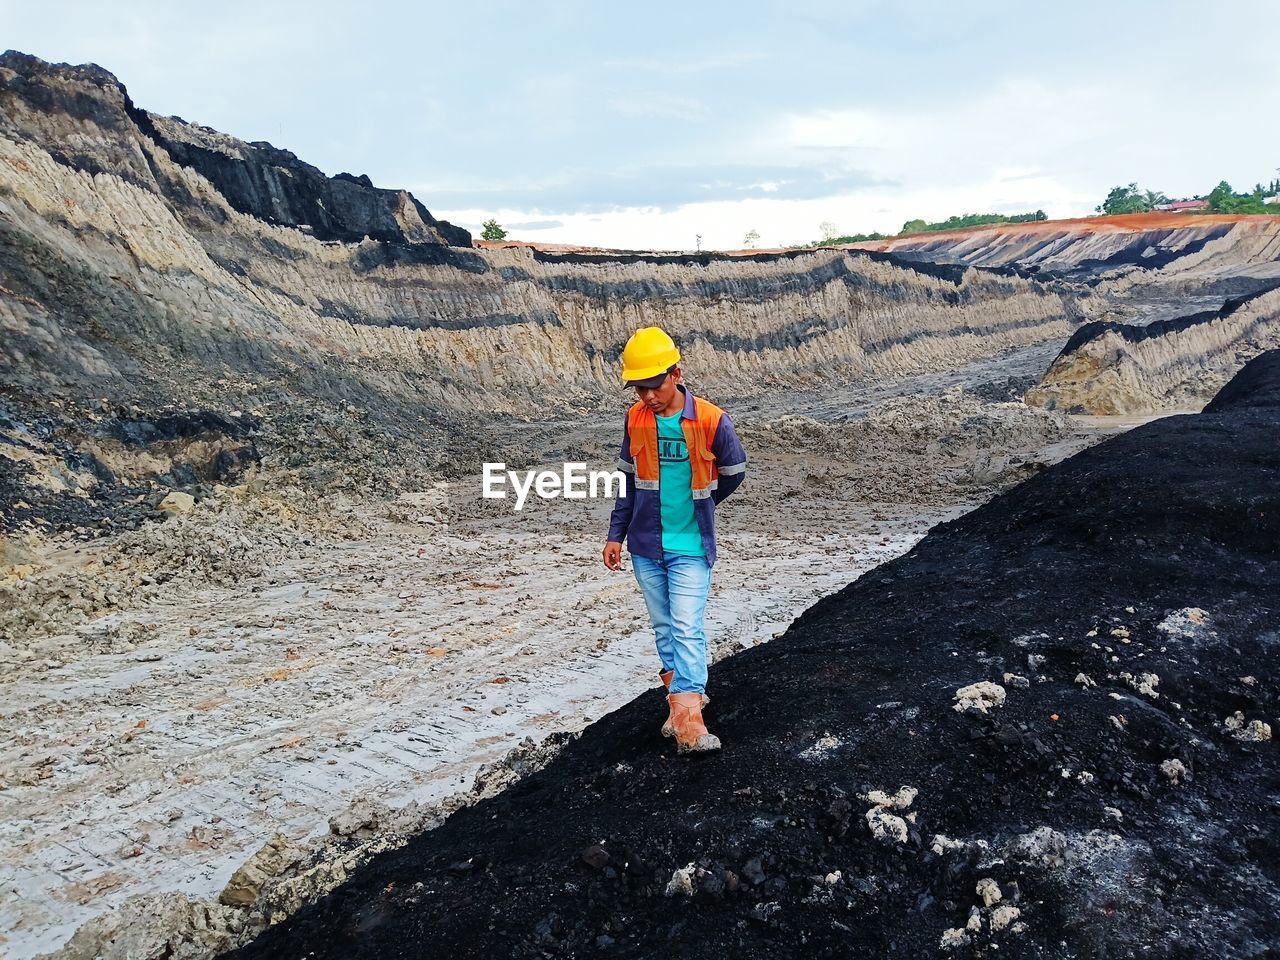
[154,231]
[1177,303]
[1119,368]
[147,263]
[85,120]
[1114,256]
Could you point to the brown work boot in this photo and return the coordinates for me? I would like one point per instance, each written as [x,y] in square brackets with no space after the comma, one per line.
[686,720]
[668,730]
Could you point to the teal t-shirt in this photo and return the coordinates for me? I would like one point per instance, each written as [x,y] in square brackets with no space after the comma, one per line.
[680,533]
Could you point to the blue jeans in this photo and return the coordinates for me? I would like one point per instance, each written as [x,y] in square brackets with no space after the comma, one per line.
[675,590]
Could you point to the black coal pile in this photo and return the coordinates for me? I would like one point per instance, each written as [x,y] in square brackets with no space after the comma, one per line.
[1045,732]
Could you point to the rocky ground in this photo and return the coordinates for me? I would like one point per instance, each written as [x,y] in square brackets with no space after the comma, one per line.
[1046,731]
[326,673]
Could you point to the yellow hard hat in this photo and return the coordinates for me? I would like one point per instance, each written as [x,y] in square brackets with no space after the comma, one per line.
[649,353]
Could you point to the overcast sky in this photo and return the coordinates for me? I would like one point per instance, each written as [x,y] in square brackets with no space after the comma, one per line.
[643,125]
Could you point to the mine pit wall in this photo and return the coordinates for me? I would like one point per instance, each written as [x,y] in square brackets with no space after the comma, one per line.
[1120,369]
[128,275]
[1176,246]
[1242,260]
[1134,268]
[743,326]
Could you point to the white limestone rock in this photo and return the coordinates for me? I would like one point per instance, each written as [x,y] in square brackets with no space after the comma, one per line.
[1002,916]
[954,939]
[886,826]
[681,882]
[981,696]
[901,800]
[1251,731]
[989,891]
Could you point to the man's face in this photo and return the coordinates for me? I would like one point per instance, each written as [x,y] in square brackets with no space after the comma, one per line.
[664,395]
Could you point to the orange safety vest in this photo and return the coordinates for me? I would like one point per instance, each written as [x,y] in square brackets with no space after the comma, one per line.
[642,425]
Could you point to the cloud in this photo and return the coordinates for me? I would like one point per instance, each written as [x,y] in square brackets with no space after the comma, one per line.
[1018,123]
[723,223]
[661,188]
[837,130]
[535,225]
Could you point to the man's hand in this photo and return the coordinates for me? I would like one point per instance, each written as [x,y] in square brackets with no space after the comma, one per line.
[613,555]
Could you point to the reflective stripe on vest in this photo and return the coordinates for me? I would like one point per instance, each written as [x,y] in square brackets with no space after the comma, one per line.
[642,425]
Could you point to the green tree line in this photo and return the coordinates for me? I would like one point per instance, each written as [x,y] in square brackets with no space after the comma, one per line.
[920,226]
[971,220]
[1122,199]
[1221,199]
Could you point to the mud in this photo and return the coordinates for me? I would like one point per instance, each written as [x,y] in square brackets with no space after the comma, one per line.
[267,659]
[1060,797]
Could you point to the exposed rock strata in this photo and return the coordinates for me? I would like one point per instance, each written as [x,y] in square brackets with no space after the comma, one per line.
[1175,251]
[150,267]
[1143,277]
[86,121]
[1118,368]
[131,242]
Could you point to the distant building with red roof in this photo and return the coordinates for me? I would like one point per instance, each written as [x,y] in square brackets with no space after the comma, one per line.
[1183,206]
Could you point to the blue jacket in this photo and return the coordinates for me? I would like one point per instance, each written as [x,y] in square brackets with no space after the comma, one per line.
[637,513]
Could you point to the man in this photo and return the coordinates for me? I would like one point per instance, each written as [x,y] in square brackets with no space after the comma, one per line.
[680,458]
